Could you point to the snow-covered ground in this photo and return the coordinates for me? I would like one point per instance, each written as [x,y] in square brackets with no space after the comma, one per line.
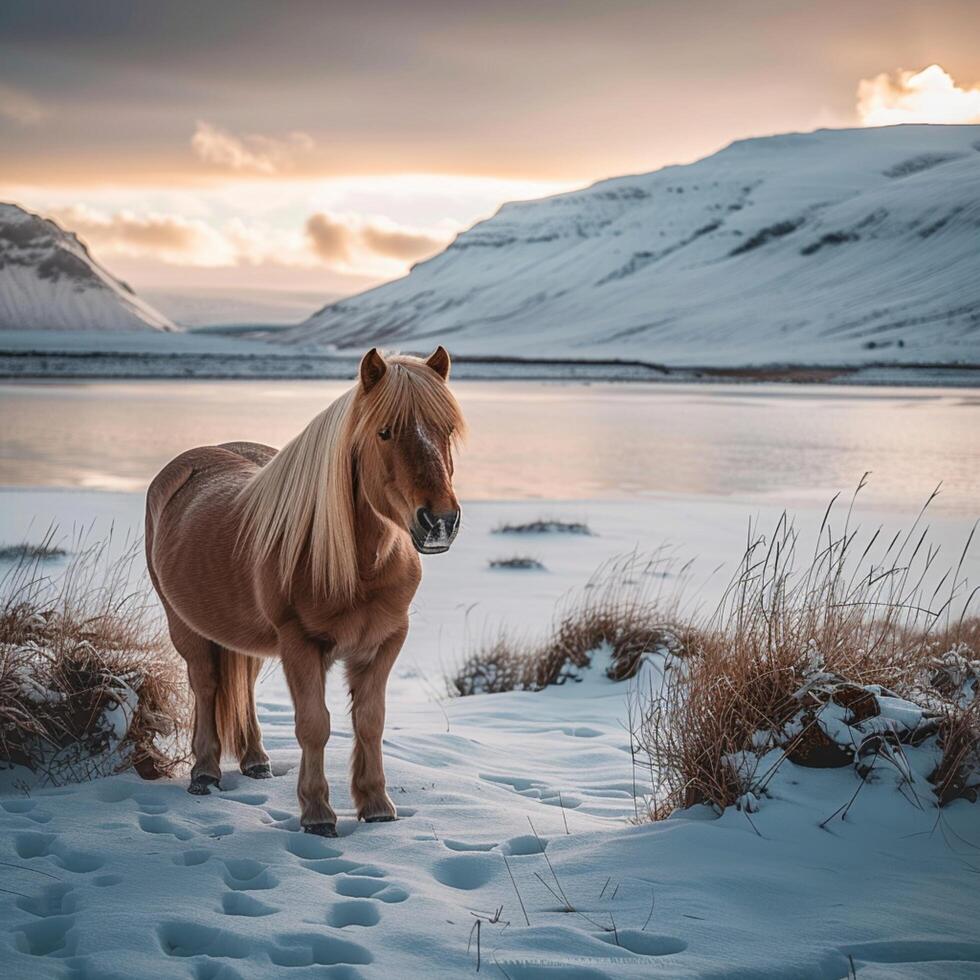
[121,878]
[831,247]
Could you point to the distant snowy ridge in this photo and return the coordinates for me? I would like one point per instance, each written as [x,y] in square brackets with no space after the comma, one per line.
[832,247]
[49,281]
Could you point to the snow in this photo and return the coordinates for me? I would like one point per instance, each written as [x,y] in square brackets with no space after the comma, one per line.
[833,247]
[49,281]
[152,882]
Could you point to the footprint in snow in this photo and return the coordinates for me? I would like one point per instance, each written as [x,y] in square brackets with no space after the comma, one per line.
[466,871]
[524,845]
[191,858]
[461,845]
[52,932]
[158,823]
[357,912]
[183,938]
[27,809]
[50,936]
[29,845]
[246,875]
[241,903]
[645,943]
[354,887]
[314,949]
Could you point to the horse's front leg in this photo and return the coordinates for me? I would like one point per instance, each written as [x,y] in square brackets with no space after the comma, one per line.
[304,665]
[368,682]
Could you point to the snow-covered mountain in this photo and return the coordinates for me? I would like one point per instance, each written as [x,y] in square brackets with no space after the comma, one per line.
[48,281]
[838,246]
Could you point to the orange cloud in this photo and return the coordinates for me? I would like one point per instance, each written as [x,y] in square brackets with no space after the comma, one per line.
[169,238]
[260,154]
[397,243]
[928,96]
[329,238]
[336,239]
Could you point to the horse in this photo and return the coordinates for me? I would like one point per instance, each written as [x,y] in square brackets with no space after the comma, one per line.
[311,555]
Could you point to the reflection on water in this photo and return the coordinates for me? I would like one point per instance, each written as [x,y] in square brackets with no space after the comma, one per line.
[545,440]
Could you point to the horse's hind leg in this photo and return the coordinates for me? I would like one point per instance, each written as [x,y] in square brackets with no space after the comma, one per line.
[255,760]
[202,672]
[367,688]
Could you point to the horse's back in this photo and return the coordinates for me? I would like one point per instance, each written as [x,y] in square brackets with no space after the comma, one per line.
[254,452]
[192,498]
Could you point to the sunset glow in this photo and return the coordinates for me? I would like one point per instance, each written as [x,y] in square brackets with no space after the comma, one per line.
[928,96]
[331,150]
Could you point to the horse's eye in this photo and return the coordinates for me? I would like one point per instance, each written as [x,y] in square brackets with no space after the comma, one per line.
[385,434]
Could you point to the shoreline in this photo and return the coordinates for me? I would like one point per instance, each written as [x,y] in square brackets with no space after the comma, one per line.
[54,365]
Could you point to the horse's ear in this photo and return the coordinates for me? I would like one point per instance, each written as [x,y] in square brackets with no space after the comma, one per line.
[439,362]
[372,369]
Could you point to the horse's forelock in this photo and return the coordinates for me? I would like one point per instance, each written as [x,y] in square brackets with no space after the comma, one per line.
[410,394]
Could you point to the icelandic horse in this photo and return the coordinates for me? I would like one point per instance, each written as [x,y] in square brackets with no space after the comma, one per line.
[311,555]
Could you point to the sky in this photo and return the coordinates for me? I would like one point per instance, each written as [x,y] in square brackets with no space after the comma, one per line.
[327,146]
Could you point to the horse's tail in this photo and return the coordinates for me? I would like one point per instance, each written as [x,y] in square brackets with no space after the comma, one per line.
[233,700]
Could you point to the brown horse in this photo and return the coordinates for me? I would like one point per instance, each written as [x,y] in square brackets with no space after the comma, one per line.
[307,555]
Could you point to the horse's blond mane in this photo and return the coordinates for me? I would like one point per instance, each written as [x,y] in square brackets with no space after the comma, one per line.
[301,503]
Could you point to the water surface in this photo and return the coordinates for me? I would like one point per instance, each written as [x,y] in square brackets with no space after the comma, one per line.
[553,441]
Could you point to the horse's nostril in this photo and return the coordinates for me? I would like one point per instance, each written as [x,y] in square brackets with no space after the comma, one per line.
[426,518]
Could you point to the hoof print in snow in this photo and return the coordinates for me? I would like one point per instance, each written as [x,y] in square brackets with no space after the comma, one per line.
[381,818]
[321,829]
[201,785]
[261,771]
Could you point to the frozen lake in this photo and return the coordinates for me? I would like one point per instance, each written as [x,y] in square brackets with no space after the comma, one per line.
[790,446]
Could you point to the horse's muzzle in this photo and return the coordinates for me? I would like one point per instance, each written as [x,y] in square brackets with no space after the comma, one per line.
[432,534]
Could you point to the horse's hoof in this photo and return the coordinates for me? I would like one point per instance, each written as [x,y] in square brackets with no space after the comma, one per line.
[261,770]
[321,829]
[200,785]
[381,818]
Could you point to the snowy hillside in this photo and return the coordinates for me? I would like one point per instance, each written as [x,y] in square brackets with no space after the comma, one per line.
[839,246]
[48,281]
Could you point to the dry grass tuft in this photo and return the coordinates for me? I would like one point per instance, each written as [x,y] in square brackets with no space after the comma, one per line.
[619,610]
[792,646]
[518,563]
[88,684]
[545,526]
[29,552]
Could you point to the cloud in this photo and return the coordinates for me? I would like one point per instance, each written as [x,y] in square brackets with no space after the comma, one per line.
[347,243]
[330,238]
[20,107]
[169,238]
[928,96]
[338,239]
[260,154]
[397,243]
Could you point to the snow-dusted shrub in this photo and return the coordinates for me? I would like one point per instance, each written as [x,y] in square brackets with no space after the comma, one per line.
[836,662]
[621,610]
[88,685]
